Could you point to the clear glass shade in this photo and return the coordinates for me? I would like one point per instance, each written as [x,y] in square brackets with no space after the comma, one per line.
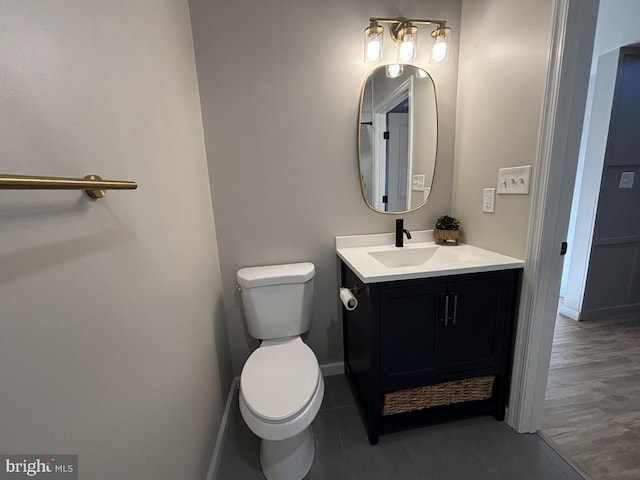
[373,43]
[408,38]
[440,49]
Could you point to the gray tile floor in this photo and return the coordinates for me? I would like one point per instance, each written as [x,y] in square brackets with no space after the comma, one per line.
[477,448]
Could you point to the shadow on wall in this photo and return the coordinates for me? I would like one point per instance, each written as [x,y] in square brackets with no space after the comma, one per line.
[334,332]
[31,260]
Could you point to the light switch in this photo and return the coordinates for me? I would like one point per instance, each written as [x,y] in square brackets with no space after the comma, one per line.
[489,200]
[417,183]
[627,179]
[514,180]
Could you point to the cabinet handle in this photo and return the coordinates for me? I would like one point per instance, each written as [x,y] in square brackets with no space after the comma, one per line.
[455,307]
[446,309]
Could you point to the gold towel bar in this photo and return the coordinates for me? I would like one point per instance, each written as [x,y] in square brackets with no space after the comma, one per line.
[93,185]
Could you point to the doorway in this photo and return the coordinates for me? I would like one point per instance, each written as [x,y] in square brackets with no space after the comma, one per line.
[592,415]
[392,157]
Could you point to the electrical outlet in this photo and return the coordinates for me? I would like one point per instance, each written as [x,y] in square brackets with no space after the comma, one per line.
[627,179]
[489,200]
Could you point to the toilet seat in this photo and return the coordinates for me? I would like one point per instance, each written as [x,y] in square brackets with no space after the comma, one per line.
[279,379]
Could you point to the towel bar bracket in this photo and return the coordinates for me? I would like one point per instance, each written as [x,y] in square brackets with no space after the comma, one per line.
[95,194]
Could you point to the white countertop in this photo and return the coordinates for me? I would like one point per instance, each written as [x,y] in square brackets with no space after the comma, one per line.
[448,259]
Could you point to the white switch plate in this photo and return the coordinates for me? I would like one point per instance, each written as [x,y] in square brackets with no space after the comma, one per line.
[489,200]
[514,180]
[627,179]
[417,183]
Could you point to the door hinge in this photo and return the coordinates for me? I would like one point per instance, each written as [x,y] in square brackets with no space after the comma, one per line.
[385,135]
[563,248]
[385,199]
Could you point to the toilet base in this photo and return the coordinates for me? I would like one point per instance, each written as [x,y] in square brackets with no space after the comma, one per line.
[289,459]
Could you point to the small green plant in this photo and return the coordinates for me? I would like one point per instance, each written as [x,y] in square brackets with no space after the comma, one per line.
[446,222]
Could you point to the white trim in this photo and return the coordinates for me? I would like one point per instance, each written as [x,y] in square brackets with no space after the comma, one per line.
[222,432]
[330,369]
[412,96]
[570,55]
[528,334]
[379,159]
[569,312]
[395,98]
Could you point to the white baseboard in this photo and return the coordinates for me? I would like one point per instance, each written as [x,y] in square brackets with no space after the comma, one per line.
[568,312]
[222,432]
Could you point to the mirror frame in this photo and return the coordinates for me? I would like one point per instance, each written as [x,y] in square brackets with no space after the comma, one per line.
[359,136]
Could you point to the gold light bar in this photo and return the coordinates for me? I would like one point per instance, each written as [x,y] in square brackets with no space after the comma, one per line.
[93,185]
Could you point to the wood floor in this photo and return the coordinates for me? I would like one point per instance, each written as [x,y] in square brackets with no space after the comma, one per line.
[592,408]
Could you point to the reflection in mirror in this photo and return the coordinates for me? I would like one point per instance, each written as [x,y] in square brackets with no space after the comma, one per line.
[397,139]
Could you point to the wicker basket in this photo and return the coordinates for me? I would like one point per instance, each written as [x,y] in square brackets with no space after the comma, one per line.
[443,236]
[467,390]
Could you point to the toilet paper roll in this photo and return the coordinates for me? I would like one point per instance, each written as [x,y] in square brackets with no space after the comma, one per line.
[348,300]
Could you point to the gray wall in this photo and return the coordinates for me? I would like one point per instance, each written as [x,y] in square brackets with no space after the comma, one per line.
[280,109]
[112,336]
[502,76]
[613,278]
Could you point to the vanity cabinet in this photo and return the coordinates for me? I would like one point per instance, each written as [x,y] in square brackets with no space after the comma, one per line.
[434,338]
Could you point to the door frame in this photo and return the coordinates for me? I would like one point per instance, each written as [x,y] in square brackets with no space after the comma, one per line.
[380,110]
[571,48]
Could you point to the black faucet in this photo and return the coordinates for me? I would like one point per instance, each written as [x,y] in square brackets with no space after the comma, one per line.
[401,232]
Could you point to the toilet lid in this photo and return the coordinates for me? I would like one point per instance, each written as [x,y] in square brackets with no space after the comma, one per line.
[279,379]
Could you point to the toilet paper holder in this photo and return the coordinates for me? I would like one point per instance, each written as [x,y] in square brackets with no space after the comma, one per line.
[356,289]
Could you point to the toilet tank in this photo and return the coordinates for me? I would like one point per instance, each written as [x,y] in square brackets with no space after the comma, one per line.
[277,299]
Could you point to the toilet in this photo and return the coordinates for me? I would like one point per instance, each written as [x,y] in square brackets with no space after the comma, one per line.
[281,385]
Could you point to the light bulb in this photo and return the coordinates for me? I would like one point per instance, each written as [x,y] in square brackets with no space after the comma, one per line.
[439,52]
[394,70]
[420,73]
[374,49]
[407,51]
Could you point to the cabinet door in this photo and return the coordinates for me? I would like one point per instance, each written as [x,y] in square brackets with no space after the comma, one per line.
[474,333]
[408,323]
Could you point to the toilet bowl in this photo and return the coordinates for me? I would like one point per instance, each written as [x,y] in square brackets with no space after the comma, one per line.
[281,385]
[281,390]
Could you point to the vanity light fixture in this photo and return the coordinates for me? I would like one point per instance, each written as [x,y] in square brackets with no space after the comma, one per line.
[405,33]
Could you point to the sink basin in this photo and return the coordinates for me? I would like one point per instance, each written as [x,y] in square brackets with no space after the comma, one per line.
[404,257]
[373,258]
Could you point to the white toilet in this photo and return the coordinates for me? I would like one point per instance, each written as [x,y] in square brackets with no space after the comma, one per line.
[281,386]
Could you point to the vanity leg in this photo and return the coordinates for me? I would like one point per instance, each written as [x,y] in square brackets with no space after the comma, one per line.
[372,419]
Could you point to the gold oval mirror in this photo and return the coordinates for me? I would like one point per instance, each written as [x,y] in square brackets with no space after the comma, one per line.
[397,138]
